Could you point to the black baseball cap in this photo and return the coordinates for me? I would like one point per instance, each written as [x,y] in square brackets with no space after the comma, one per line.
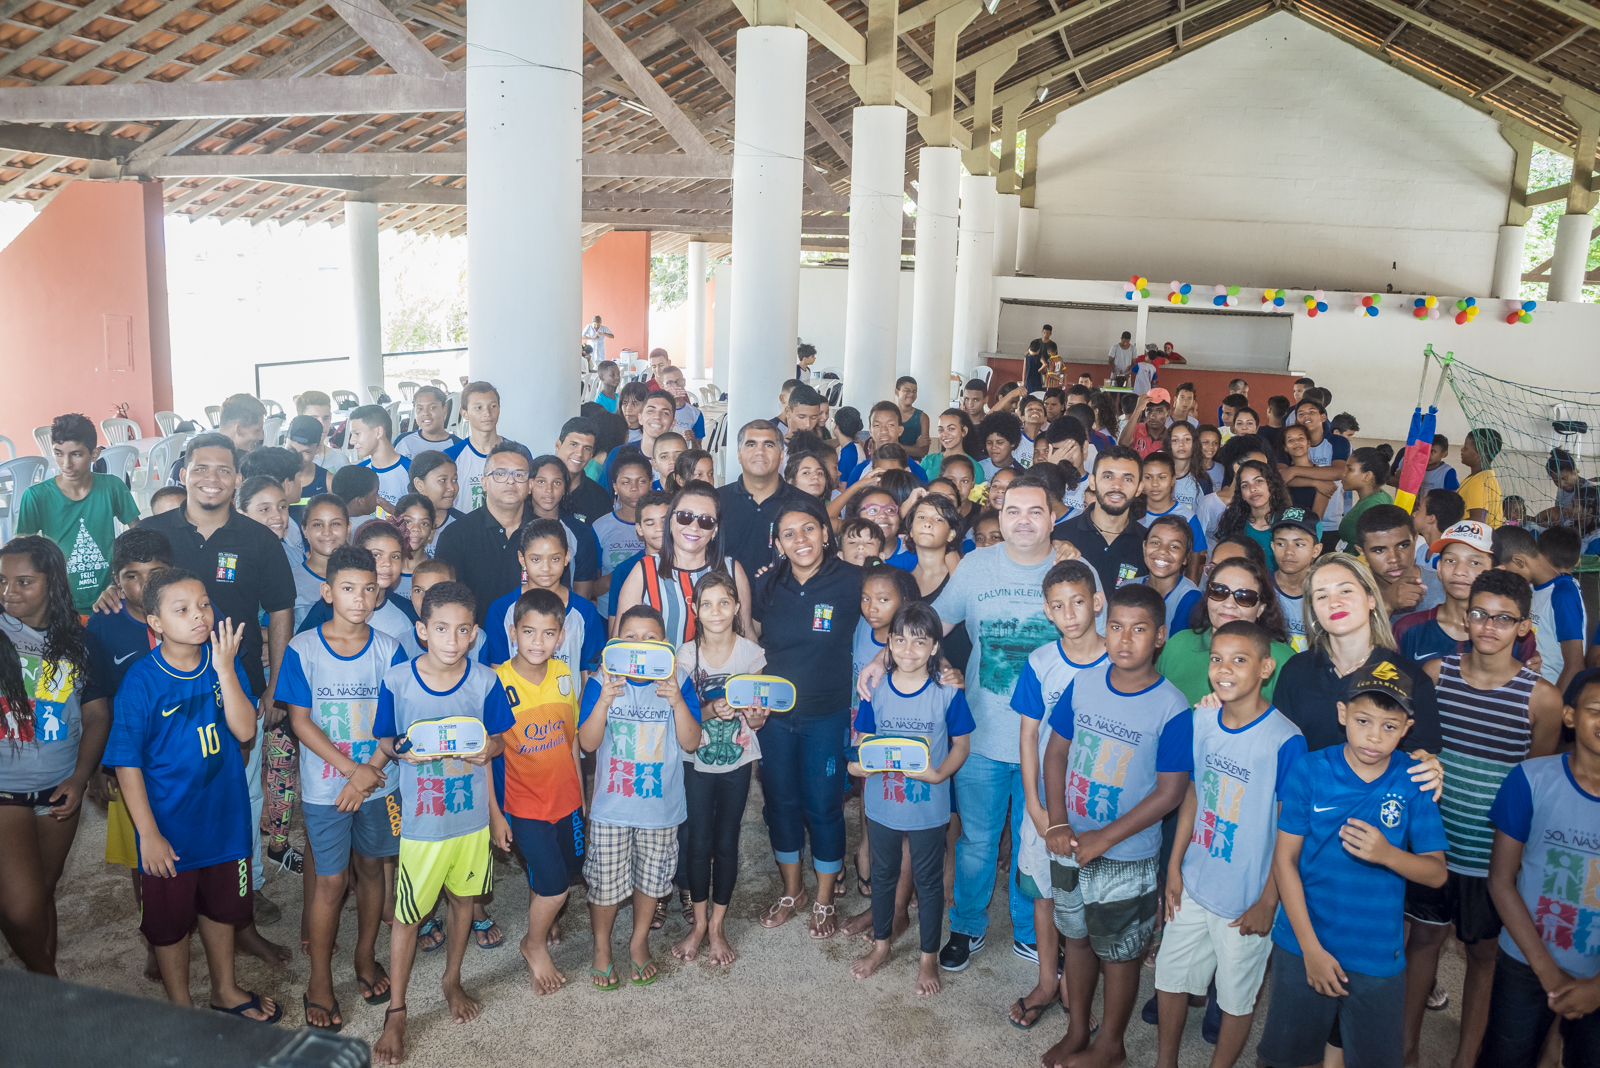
[1381,676]
[1298,518]
[305,430]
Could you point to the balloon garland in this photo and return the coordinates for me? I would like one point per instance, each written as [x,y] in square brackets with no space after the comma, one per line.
[1136,285]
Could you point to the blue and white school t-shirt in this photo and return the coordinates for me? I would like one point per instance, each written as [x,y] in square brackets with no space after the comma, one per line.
[1238,776]
[1197,530]
[341,693]
[618,539]
[469,473]
[1044,679]
[687,419]
[1321,794]
[170,725]
[1180,601]
[394,482]
[1294,617]
[1558,616]
[40,752]
[448,797]
[863,647]
[411,443]
[1542,806]
[933,713]
[584,633]
[1120,743]
[307,591]
[638,774]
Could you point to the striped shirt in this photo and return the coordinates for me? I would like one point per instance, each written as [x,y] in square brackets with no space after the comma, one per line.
[1486,734]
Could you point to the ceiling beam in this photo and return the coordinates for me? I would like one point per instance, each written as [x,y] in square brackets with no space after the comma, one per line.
[830,29]
[661,105]
[294,11]
[1030,35]
[924,13]
[352,164]
[600,201]
[829,134]
[122,42]
[389,37]
[1577,10]
[716,222]
[182,199]
[18,138]
[369,94]
[308,207]
[49,36]
[655,165]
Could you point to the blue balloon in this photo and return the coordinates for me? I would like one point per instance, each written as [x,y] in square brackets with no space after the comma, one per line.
[1184,288]
[1419,303]
[1219,301]
[1321,306]
[1529,305]
[1372,310]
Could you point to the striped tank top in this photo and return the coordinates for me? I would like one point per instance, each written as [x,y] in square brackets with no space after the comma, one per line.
[1486,734]
[673,597]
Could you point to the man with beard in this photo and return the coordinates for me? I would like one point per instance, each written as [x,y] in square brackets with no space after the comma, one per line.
[751,502]
[998,593]
[1110,542]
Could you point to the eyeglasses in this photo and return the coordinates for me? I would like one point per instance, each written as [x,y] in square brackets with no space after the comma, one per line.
[507,474]
[1500,619]
[873,510]
[706,522]
[1242,597]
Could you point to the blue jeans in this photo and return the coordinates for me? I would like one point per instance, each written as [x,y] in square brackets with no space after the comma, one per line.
[984,788]
[1520,1017]
[803,782]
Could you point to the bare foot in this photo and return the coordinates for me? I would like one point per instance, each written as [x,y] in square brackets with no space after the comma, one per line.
[554,937]
[721,952]
[543,974]
[928,975]
[1072,1042]
[872,960]
[783,909]
[859,924]
[823,923]
[1099,1054]
[689,948]
[462,1008]
[152,970]
[251,942]
[391,1048]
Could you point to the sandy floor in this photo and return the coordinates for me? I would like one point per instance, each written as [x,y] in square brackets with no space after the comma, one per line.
[787,997]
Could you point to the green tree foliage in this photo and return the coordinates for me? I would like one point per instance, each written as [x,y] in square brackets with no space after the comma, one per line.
[1546,170]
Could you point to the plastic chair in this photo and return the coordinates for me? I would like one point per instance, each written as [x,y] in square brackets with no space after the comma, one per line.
[152,474]
[11,450]
[16,475]
[453,411]
[837,372]
[340,396]
[374,392]
[408,390]
[272,429]
[120,460]
[983,371]
[214,416]
[41,436]
[272,406]
[120,431]
[167,422]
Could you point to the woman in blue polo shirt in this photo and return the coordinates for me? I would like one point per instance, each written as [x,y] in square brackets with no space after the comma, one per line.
[806,607]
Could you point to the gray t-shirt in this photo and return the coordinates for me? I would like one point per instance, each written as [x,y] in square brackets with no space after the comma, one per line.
[638,779]
[934,714]
[448,797]
[342,694]
[1002,604]
[42,753]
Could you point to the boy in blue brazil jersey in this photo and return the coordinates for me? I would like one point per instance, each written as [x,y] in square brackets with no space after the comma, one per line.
[1352,828]
[183,713]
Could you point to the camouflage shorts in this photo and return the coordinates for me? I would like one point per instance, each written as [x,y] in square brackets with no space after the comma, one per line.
[1112,903]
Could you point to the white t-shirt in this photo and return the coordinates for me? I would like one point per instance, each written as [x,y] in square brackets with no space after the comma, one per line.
[596,335]
[1122,356]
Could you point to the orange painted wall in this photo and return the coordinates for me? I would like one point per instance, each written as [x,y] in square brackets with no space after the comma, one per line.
[616,287]
[88,274]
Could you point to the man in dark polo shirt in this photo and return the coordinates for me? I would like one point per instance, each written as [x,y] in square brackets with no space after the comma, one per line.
[586,498]
[751,502]
[1105,535]
[246,573]
[481,546]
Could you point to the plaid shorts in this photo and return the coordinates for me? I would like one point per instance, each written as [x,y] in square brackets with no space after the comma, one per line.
[1112,903]
[621,860]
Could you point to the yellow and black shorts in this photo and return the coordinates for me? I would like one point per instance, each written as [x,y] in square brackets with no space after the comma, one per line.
[463,866]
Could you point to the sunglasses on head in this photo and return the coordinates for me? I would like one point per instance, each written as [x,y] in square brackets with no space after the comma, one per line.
[707,522]
[1242,597]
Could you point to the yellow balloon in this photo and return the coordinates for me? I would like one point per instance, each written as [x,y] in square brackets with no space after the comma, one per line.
[1430,302]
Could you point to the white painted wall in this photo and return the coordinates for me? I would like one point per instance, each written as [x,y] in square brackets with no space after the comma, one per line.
[1276,156]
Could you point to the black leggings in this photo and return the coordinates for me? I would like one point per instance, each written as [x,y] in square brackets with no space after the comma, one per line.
[927,873]
[716,809]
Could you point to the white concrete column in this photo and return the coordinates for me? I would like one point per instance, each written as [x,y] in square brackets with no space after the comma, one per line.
[1141,326]
[1027,240]
[769,105]
[1571,260]
[525,259]
[934,286]
[361,221]
[974,270]
[1007,208]
[1508,262]
[877,216]
[697,309]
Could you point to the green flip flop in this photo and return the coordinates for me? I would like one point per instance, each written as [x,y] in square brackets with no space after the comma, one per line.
[611,983]
[638,974]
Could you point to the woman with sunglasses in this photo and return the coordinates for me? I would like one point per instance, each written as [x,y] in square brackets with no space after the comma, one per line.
[1238,588]
[547,488]
[807,607]
[1259,495]
[691,550]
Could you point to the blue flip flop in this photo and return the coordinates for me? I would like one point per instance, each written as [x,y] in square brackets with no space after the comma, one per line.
[425,930]
[479,926]
[253,1003]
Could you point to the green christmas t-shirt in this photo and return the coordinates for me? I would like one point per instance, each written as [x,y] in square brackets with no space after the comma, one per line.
[84,529]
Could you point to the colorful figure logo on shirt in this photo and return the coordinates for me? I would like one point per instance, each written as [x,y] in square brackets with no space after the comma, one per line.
[1220,800]
[1094,782]
[51,690]
[439,794]
[638,754]
[822,617]
[227,566]
[344,722]
[1568,914]
[904,791]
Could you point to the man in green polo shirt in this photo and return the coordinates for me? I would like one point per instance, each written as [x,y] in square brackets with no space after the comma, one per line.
[76,508]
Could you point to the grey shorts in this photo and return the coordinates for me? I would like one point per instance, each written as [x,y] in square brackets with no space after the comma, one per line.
[1112,903]
[373,830]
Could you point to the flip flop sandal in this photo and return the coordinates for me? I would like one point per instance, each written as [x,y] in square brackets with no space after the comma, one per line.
[479,926]
[863,886]
[659,919]
[638,974]
[427,929]
[369,992]
[686,905]
[308,1005]
[819,909]
[793,904]
[1094,1025]
[1026,1024]
[253,1003]
[611,982]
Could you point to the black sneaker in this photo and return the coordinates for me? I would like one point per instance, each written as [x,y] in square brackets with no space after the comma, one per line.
[290,860]
[956,952]
[1025,950]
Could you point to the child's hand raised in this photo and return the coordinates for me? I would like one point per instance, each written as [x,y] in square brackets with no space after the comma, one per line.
[667,689]
[156,856]
[1366,842]
[225,642]
[611,686]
